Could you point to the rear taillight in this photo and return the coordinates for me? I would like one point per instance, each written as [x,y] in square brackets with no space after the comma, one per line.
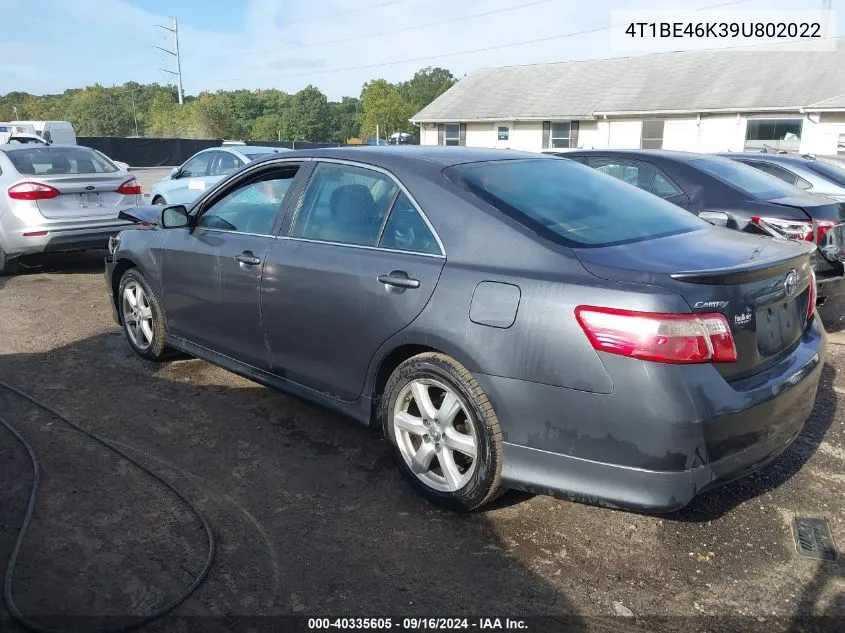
[30,190]
[130,188]
[663,338]
[794,229]
[813,294]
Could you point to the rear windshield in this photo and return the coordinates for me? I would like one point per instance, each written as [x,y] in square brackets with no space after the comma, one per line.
[828,170]
[51,160]
[571,203]
[747,179]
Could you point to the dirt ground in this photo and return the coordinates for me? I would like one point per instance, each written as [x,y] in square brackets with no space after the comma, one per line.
[313,519]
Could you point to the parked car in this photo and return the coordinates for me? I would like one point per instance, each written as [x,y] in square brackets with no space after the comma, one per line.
[805,172]
[59,198]
[186,183]
[728,193]
[511,320]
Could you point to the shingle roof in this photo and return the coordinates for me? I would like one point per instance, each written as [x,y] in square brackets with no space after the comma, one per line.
[834,102]
[759,78]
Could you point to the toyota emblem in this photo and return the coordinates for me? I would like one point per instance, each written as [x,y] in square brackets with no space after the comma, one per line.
[790,283]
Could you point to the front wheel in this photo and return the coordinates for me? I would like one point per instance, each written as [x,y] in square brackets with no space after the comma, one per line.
[142,317]
[443,432]
[159,201]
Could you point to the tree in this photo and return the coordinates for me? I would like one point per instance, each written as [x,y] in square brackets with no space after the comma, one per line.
[426,85]
[268,127]
[382,105]
[344,119]
[308,116]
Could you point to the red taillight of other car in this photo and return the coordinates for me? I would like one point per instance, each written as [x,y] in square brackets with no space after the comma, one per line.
[31,190]
[130,188]
[658,337]
[811,304]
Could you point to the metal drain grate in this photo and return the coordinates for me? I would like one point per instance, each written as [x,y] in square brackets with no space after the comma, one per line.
[813,538]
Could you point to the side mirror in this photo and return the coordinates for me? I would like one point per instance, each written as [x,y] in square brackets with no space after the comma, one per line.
[174,173]
[174,217]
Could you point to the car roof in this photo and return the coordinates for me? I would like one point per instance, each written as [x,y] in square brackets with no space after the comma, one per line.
[432,155]
[17,146]
[257,149]
[667,154]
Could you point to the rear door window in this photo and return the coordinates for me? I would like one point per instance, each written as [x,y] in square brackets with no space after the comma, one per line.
[631,171]
[572,204]
[224,164]
[406,230]
[45,160]
[345,204]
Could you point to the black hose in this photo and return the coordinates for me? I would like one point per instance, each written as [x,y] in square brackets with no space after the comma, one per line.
[8,582]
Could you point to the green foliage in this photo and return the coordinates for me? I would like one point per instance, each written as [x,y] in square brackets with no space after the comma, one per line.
[153,110]
[384,106]
[426,85]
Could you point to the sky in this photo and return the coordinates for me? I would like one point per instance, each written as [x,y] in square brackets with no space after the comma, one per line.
[289,44]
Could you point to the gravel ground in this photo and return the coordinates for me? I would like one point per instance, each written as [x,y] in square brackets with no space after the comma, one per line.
[313,519]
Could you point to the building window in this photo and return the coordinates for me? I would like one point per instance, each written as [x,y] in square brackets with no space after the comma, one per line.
[561,135]
[652,135]
[776,134]
[453,134]
[503,132]
[840,148]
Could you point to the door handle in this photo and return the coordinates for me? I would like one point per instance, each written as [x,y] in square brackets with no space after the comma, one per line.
[247,258]
[399,279]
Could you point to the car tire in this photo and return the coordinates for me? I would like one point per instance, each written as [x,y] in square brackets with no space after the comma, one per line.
[159,201]
[449,430]
[143,322]
[8,265]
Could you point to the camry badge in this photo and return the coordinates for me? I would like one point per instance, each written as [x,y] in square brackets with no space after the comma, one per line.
[790,283]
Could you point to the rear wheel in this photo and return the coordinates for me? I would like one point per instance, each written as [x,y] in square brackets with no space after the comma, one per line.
[443,432]
[8,265]
[158,200]
[142,317]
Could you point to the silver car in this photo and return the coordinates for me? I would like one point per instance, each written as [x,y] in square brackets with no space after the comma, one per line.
[204,169]
[815,175]
[59,198]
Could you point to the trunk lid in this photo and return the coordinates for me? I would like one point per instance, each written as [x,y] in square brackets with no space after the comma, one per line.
[760,284]
[86,196]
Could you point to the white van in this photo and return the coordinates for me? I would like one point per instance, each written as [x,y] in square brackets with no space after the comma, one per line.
[60,132]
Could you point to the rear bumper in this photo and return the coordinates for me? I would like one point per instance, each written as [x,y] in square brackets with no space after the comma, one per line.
[656,448]
[60,239]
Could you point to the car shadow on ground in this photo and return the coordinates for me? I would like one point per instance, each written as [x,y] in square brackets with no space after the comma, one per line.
[311,515]
[719,501]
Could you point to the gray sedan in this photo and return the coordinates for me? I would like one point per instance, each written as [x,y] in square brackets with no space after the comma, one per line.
[508,319]
[815,175]
[204,169]
[59,198]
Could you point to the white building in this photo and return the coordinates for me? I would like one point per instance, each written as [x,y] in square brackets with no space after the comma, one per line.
[705,101]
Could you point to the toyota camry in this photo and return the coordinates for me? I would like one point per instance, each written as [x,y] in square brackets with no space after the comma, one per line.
[510,320]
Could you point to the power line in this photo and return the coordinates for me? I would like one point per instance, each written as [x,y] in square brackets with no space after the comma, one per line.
[471,51]
[347,11]
[406,28]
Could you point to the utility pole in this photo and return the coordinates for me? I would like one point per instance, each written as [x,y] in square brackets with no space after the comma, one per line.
[175,53]
[15,110]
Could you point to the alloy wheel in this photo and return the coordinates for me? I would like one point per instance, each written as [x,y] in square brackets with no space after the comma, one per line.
[435,434]
[137,315]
